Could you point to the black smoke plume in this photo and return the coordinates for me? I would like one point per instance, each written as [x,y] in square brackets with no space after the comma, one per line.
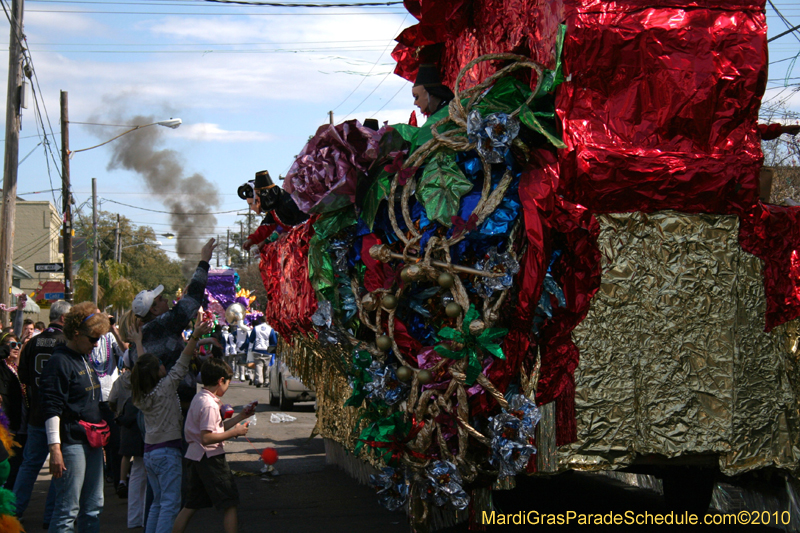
[186,197]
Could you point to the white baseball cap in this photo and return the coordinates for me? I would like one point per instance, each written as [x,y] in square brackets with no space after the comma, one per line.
[144,301]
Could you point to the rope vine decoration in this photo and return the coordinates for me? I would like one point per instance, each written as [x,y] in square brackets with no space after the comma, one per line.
[429,404]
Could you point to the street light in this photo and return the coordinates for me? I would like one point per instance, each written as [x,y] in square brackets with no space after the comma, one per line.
[66,155]
[171,123]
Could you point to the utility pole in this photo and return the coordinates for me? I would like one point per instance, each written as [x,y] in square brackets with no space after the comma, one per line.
[66,197]
[249,232]
[330,116]
[12,155]
[228,249]
[217,252]
[241,237]
[95,248]
[117,242]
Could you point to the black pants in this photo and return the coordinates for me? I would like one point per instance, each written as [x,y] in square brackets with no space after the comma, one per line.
[113,459]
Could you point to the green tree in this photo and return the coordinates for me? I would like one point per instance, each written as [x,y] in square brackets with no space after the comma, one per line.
[114,288]
[146,265]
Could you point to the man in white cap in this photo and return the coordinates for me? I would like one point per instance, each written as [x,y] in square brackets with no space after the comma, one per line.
[161,333]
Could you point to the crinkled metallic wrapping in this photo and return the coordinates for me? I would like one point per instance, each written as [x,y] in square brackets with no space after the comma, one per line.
[772,233]
[324,175]
[284,271]
[660,106]
[674,360]
[452,33]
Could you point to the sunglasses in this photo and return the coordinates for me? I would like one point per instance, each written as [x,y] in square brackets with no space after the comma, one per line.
[14,345]
[91,339]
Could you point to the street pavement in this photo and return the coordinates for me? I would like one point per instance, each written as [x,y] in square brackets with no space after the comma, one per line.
[311,496]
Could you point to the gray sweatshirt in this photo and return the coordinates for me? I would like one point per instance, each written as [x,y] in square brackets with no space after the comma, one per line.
[162,409]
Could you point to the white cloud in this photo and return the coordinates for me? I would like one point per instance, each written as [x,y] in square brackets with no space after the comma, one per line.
[43,27]
[213,132]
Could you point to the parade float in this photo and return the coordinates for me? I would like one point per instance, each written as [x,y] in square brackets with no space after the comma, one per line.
[567,268]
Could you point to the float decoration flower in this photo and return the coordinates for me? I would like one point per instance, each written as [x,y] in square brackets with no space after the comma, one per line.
[476,341]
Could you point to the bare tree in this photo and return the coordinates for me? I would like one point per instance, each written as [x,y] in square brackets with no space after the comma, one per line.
[782,155]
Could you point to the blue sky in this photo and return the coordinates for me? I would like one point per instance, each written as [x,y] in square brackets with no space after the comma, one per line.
[251,84]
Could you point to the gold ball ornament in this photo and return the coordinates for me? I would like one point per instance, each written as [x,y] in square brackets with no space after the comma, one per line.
[453,310]
[424,376]
[389,301]
[404,373]
[384,342]
[446,280]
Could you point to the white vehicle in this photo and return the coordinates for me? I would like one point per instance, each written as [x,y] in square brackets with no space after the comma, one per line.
[285,389]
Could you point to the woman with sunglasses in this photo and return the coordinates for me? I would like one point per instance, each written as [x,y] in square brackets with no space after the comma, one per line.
[12,397]
[70,392]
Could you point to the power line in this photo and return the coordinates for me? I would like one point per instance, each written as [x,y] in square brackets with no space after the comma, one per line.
[37,112]
[390,99]
[215,51]
[215,44]
[230,3]
[371,69]
[214,14]
[169,212]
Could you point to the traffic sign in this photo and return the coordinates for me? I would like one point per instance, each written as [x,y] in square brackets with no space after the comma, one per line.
[54,296]
[48,267]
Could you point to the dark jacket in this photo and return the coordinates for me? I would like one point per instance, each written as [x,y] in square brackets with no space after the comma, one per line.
[32,361]
[13,400]
[69,389]
[162,335]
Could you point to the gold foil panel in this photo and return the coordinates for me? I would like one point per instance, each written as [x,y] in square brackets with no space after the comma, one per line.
[674,360]
[321,367]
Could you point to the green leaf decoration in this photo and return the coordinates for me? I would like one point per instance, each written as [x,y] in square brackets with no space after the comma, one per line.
[474,366]
[408,133]
[506,95]
[491,334]
[376,193]
[320,265]
[471,314]
[441,187]
[527,117]
[451,334]
[332,223]
[494,349]
[446,352]
[424,134]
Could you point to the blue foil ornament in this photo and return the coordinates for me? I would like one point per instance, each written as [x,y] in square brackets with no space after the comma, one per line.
[512,436]
[385,385]
[391,488]
[443,486]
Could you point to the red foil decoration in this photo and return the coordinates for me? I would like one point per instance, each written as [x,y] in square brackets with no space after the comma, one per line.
[284,270]
[772,233]
[452,33]
[661,105]
[551,223]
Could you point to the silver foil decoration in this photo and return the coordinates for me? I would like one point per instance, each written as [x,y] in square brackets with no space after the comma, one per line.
[492,262]
[391,488]
[385,385]
[493,135]
[443,486]
[513,436]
